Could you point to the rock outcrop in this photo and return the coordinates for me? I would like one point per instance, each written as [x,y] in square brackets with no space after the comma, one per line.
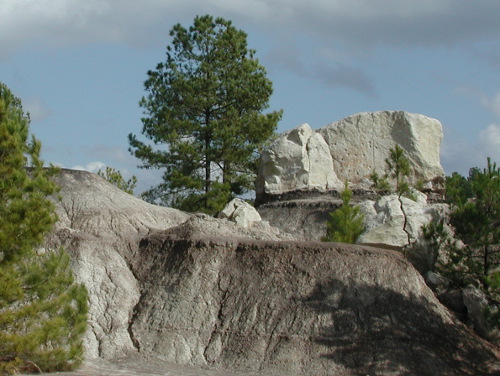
[295,308]
[359,144]
[203,291]
[101,227]
[301,174]
[478,309]
[352,148]
[240,212]
[298,160]
[390,223]
[394,222]
[469,303]
[303,216]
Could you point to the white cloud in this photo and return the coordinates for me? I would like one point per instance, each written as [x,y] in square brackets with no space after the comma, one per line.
[402,23]
[120,159]
[489,142]
[459,154]
[90,167]
[326,65]
[492,103]
[73,22]
[345,76]
[335,31]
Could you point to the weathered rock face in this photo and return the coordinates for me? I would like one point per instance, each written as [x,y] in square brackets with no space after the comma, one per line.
[397,222]
[359,144]
[296,309]
[203,291]
[205,226]
[470,303]
[101,227]
[351,149]
[298,160]
[477,305]
[306,217]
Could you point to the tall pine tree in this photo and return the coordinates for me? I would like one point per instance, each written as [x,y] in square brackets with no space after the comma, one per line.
[205,107]
[42,310]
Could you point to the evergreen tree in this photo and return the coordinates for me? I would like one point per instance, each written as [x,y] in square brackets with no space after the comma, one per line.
[345,224]
[42,310]
[115,177]
[205,106]
[472,255]
[475,217]
[399,168]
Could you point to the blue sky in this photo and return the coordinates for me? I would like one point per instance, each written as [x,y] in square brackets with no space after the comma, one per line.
[79,67]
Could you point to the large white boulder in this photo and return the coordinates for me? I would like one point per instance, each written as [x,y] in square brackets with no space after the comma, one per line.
[360,144]
[299,160]
[352,148]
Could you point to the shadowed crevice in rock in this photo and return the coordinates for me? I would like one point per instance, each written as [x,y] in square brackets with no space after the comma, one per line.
[405,223]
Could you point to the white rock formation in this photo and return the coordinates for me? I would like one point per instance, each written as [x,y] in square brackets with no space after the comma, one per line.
[352,148]
[359,144]
[101,226]
[298,160]
[385,220]
[241,213]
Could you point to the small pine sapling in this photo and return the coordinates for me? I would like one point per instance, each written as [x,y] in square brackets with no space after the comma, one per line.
[345,224]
